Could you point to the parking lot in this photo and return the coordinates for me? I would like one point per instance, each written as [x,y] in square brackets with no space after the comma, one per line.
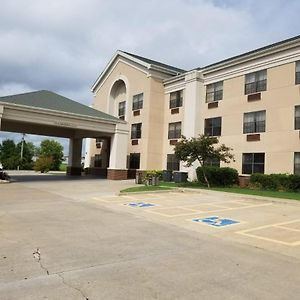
[77,239]
[266,223]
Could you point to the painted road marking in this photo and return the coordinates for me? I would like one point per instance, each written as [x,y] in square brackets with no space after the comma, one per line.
[216,221]
[248,233]
[139,204]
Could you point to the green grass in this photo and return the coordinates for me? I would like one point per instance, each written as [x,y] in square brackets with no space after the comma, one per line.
[236,190]
[247,191]
[63,167]
[143,188]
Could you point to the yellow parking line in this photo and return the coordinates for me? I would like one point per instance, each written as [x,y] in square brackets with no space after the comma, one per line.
[267,239]
[280,225]
[288,228]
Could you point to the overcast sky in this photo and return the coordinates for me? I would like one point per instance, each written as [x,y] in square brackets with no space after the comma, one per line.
[63,45]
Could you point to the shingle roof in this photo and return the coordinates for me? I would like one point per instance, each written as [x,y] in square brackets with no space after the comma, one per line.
[252,51]
[156,63]
[52,101]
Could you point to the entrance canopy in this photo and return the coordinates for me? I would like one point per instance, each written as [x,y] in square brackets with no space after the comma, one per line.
[50,114]
[47,113]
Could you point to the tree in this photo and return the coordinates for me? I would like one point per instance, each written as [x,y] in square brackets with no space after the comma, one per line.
[10,155]
[43,164]
[202,149]
[53,149]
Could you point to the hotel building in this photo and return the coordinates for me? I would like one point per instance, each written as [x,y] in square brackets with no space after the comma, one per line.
[250,101]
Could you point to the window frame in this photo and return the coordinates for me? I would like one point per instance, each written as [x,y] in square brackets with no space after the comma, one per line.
[137,101]
[297,72]
[217,94]
[138,157]
[297,118]
[176,132]
[253,164]
[296,165]
[173,164]
[211,129]
[257,85]
[212,163]
[122,109]
[177,101]
[256,124]
[136,131]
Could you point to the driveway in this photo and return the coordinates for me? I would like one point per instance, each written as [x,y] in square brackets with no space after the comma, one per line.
[77,240]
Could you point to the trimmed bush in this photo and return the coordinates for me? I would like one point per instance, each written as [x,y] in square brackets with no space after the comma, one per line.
[218,176]
[43,164]
[276,182]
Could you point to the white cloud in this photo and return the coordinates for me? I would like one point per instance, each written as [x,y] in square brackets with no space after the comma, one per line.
[63,45]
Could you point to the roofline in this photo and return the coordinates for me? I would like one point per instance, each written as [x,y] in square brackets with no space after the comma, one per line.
[27,107]
[134,59]
[259,51]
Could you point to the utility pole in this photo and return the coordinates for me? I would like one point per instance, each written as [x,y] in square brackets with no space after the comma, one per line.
[22,148]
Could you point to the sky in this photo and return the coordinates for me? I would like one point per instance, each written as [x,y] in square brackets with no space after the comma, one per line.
[63,45]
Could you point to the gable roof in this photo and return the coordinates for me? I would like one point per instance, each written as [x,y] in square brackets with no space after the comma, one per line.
[253,52]
[155,63]
[52,101]
[143,61]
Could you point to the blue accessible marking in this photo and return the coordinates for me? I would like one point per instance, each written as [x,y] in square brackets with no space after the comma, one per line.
[216,221]
[140,204]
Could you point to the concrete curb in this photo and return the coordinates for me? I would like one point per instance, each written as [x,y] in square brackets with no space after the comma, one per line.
[149,192]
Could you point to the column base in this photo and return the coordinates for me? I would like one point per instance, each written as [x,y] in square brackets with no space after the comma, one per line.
[117,174]
[74,171]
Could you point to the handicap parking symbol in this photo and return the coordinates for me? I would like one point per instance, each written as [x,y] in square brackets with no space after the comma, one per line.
[140,204]
[216,221]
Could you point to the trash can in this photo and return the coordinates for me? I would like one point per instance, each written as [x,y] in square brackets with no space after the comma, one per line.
[180,177]
[139,178]
[167,175]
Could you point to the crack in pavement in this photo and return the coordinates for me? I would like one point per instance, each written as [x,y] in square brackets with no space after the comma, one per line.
[72,287]
[37,256]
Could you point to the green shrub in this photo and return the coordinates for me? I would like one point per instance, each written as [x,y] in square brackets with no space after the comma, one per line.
[43,164]
[156,173]
[276,182]
[218,176]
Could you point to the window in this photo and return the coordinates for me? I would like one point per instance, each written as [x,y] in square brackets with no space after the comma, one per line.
[297,117]
[134,160]
[122,106]
[213,126]
[255,122]
[297,75]
[172,162]
[256,82]
[98,161]
[212,163]
[174,130]
[214,92]
[253,163]
[136,131]
[137,102]
[176,99]
[297,163]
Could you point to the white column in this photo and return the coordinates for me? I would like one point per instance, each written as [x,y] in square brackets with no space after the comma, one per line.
[87,156]
[192,114]
[74,163]
[118,147]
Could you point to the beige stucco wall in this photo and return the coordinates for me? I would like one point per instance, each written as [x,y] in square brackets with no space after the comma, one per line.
[137,81]
[280,140]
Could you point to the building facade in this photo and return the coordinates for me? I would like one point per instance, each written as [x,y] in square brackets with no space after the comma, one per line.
[251,102]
